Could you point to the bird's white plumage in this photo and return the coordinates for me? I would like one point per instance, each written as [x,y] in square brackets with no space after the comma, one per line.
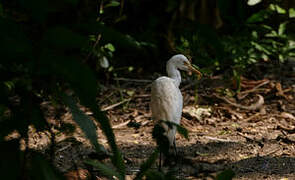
[166,98]
[166,104]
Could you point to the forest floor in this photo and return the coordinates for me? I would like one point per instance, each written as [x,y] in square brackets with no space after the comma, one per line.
[251,132]
[254,136]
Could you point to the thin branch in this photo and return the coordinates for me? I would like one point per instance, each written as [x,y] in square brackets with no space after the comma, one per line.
[254,106]
[120,125]
[220,140]
[93,47]
[134,80]
[115,105]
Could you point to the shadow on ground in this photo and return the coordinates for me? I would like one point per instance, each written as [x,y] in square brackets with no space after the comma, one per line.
[201,160]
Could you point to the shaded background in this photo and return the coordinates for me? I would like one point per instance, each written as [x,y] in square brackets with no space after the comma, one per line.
[50,50]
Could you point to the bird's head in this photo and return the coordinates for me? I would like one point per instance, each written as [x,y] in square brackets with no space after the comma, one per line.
[182,63]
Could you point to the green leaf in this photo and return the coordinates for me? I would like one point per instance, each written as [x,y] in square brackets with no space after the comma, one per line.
[264,57]
[225,175]
[112,3]
[280,10]
[260,47]
[281,58]
[63,38]
[10,85]
[83,81]
[272,34]
[161,139]
[272,7]
[92,38]
[282,28]
[277,8]
[42,169]
[253,2]
[237,78]
[255,34]
[101,118]
[292,13]
[104,169]
[147,165]
[110,47]
[258,17]
[181,130]
[84,122]
[291,50]
[267,27]
[84,84]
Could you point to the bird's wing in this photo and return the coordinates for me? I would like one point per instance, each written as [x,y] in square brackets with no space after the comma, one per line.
[166,100]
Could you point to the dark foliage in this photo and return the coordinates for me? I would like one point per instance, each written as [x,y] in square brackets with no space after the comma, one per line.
[48,48]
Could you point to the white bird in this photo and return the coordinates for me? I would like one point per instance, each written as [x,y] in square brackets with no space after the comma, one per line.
[166,98]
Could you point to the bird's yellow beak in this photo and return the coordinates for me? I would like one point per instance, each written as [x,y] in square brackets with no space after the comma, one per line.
[194,70]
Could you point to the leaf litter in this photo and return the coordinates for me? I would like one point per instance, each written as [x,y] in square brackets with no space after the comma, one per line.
[251,132]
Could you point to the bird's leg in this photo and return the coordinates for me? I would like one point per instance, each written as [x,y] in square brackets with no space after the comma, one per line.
[160,160]
[175,150]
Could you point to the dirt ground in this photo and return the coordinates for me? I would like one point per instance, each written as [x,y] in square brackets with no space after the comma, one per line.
[256,142]
[251,132]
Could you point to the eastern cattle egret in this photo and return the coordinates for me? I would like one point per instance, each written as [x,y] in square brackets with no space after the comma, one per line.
[166,99]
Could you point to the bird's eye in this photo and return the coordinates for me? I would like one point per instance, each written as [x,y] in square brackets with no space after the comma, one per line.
[185,63]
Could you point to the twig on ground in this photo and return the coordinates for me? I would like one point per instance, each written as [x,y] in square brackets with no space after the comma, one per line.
[281,92]
[142,96]
[252,117]
[286,116]
[243,94]
[285,138]
[186,123]
[255,106]
[63,148]
[220,140]
[134,80]
[145,122]
[120,125]
[106,97]
[248,138]
[115,105]
[290,130]
[238,115]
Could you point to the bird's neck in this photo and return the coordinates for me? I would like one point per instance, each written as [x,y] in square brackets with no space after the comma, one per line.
[174,73]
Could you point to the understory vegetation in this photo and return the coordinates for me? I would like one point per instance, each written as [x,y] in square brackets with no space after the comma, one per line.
[63,51]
